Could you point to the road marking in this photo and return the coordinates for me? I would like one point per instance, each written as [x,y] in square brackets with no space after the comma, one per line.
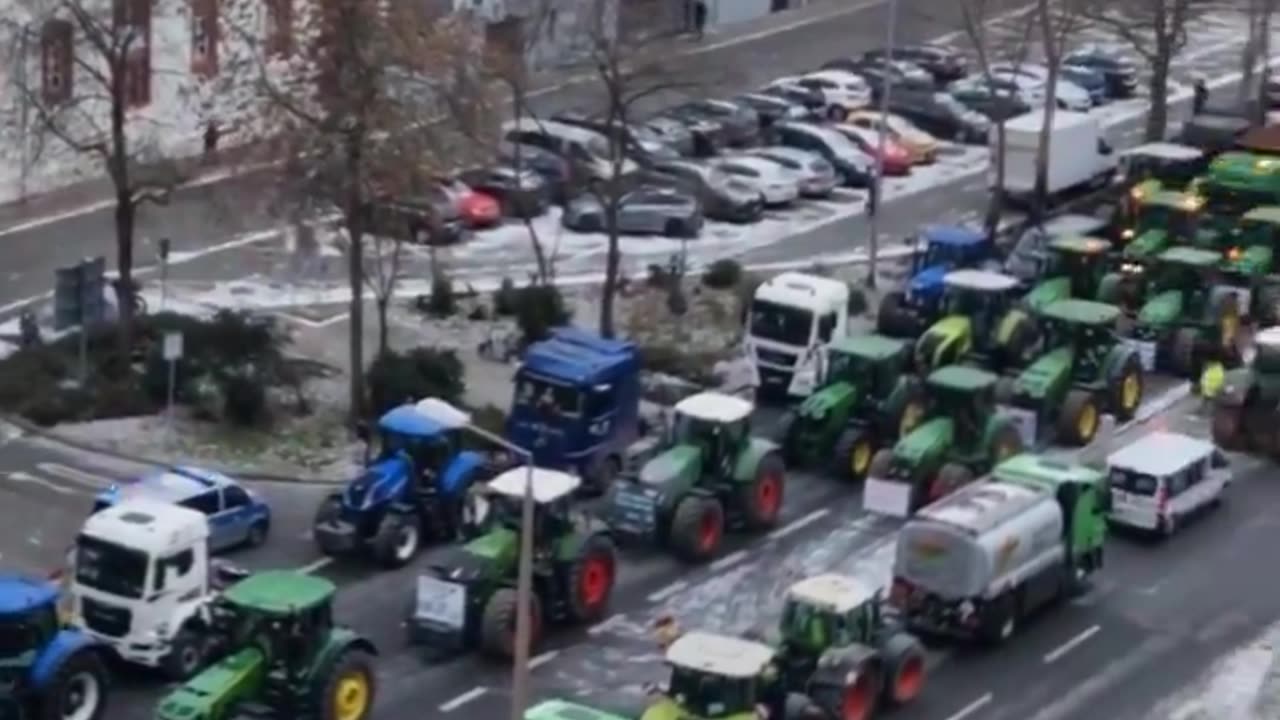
[1075,642]
[315,565]
[75,475]
[606,625]
[26,477]
[667,591]
[1191,710]
[544,658]
[971,708]
[799,523]
[462,699]
[730,559]
[315,324]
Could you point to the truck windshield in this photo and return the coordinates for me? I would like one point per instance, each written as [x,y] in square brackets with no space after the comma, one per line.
[709,695]
[110,568]
[545,395]
[1133,482]
[781,323]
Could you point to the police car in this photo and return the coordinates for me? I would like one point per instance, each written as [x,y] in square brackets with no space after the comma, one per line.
[236,516]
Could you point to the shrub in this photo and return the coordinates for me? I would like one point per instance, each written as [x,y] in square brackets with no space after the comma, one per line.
[443,302]
[694,367]
[244,399]
[395,378]
[540,308]
[723,274]
[505,298]
[659,276]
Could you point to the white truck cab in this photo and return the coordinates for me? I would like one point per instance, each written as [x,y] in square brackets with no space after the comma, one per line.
[793,319]
[141,582]
[1163,479]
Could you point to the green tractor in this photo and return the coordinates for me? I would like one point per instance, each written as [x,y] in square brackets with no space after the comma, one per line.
[867,400]
[1162,218]
[282,657]
[1075,267]
[1248,264]
[1085,372]
[565,710]
[961,438]
[1185,319]
[467,598]
[711,474]
[1246,412]
[981,319]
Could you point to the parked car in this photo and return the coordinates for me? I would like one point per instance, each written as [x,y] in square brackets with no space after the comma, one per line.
[741,124]
[998,100]
[709,134]
[520,193]
[1120,71]
[554,170]
[639,142]
[672,132]
[854,166]
[772,108]
[777,184]
[643,211]
[899,67]
[586,150]
[942,115]
[477,208]
[944,64]
[1034,80]
[920,145]
[844,91]
[1093,82]
[817,176]
[428,217]
[815,101]
[894,157]
[723,197]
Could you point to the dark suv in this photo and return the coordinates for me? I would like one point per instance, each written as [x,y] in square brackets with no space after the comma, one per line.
[945,65]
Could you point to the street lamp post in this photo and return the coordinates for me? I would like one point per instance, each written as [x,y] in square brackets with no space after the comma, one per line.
[877,186]
[453,417]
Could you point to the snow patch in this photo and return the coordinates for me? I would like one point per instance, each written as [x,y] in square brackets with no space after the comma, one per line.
[1232,689]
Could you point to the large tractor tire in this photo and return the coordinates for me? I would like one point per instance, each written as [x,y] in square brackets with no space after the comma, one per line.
[791,427]
[498,623]
[330,509]
[697,528]
[349,688]
[1019,340]
[905,409]
[77,691]
[853,453]
[895,318]
[1184,353]
[950,477]
[398,539]
[1078,418]
[1125,388]
[846,687]
[760,500]
[904,665]
[186,655]
[1226,315]
[591,577]
[1228,430]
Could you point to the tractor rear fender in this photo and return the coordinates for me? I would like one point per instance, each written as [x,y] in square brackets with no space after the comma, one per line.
[1048,291]
[837,662]
[568,545]
[1046,380]
[1110,288]
[62,648]
[340,641]
[744,469]
[461,472]
[1117,357]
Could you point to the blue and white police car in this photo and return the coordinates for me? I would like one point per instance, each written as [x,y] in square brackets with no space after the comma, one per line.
[237,516]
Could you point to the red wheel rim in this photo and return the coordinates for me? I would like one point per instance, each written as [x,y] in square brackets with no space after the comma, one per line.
[910,679]
[708,531]
[856,702]
[597,576]
[769,495]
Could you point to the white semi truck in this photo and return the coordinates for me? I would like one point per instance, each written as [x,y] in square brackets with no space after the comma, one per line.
[793,319]
[976,562]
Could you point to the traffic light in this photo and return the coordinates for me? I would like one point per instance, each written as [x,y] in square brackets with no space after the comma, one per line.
[78,293]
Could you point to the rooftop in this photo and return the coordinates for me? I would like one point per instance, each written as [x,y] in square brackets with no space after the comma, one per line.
[548,485]
[952,235]
[280,592]
[984,280]
[1160,453]
[715,407]
[870,346]
[1191,256]
[961,377]
[1083,312]
[574,355]
[981,506]
[1265,213]
[409,420]
[1269,337]
[173,485]
[721,655]
[1166,151]
[836,593]
[1077,244]
[145,523]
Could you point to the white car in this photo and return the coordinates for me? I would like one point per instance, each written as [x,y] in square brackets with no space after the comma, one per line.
[1034,81]
[843,91]
[777,184]
[818,178]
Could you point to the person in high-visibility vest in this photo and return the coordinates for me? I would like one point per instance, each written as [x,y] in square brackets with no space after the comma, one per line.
[1211,380]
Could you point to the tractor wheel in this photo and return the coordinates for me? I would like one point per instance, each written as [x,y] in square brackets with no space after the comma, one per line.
[77,691]
[761,499]
[906,409]
[186,655]
[1022,343]
[847,689]
[397,540]
[904,668]
[880,463]
[1227,430]
[329,510]
[349,688]
[697,528]
[853,453]
[894,318]
[1000,621]
[1226,313]
[1078,419]
[1125,389]
[591,579]
[950,478]
[1182,355]
[498,623]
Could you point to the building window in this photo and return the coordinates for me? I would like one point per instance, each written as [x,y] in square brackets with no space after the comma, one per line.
[279,30]
[204,37]
[56,61]
[133,24]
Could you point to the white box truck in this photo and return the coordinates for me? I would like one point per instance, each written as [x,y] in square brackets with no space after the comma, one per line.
[1079,156]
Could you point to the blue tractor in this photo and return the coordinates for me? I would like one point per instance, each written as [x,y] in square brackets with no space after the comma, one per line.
[414,486]
[906,313]
[577,404]
[47,672]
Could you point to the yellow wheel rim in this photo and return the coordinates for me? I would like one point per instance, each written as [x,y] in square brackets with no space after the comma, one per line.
[1130,391]
[911,415]
[351,697]
[1230,326]
[861,458]
[1087,423]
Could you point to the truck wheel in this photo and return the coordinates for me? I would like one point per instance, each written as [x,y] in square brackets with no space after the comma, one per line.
[186,655]
[1182,354]
[1001,621]
[329,510]
[77,691]
[349,688]
[1078,419]
[591,579]
[849,690]
[905,667]
[761,499]
[1226,426]
[853,453]
[498,623]
[950,478]
[397,540]
[697,528]
[1126,388]
[894,318]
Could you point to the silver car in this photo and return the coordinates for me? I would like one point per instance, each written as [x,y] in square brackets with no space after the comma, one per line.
[646,211]
[673,133]
[818,177]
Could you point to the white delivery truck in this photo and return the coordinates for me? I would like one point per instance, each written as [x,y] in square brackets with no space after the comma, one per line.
[793,319]
[976,562]
[1079,156]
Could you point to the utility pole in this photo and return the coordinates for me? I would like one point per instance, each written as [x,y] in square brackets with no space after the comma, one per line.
[877,183]
[524,600]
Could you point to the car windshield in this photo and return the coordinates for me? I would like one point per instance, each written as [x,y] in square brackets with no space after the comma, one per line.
[839,142]
[808,625]
[717,176]
[708,695]
[781,323]
[544,395]
[110,568]
[1134,482]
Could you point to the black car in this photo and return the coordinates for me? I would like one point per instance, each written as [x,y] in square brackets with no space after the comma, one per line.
[772,108]
[555,170]
[903,84]
[640,143]
[998,100]
[1121,73]
[854,167]
[945,65]
[709,134]
[723,197]
[941,115]
[520,194]
[741,124]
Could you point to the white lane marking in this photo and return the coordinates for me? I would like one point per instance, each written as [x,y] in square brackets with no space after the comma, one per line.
[799,523]
[315,324]
[1056,654]
[544,658]
[730,559]
[606,625]
[462,699]
[26,477]
[315,565]
[668,591]
[971,708]
[77,476]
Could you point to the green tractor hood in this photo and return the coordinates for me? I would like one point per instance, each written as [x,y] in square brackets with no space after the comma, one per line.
[1148,244]
[494,552]
[832,397]
[918,445]
[1046,375]
[1161,310]
[668,709]
[677,465]
[952,334]
[1049,291]
[1254,260]
[211,694]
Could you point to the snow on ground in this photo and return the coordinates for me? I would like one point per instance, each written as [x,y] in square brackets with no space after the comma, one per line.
[1240,686]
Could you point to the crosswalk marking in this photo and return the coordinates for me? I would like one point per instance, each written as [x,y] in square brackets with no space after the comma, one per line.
[79,477]
[30,479]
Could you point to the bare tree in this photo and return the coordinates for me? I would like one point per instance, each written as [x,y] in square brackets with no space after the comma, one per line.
[367,110]
[94,67]
[1056,22]
[382,275]
[1256,60]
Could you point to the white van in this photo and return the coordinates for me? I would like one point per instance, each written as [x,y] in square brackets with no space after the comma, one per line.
[792,320]
[1163,478]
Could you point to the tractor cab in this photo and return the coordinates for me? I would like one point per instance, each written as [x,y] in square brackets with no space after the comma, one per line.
[870,361]
[1190,271]
[1255,243]
[289,614]
[718,424]
[1086,326]
[1162,218]
[716,676]
[944,248]
[965,394]
[1075,267]
[823,612]
[498,504]
[1236,183]
[979,316]
[409,433]
[1160,165]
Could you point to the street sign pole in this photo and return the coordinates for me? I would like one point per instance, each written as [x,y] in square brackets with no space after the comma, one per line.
[82,271]
[172,353]
[164,272]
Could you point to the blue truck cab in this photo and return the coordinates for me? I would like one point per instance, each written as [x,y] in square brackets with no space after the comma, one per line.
[906,313]
[577,404]
[414,485]
[45,670]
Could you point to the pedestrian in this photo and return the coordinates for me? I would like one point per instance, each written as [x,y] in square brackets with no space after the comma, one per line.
[699,18]
[211,136]
[666,631]
[1201,97]
[1211,380]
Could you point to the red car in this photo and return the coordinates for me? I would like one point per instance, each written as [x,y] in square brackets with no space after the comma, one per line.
[477,209]
[897,159]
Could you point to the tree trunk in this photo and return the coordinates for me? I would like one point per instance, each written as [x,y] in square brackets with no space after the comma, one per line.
[1264,53]
[539,256]
[1158,91]
[612,261]
[1049,41]
[995,207]
[1249,53]
[383,304]
[125,213]
[355,279]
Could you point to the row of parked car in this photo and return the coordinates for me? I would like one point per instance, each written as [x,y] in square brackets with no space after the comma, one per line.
[729,159]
